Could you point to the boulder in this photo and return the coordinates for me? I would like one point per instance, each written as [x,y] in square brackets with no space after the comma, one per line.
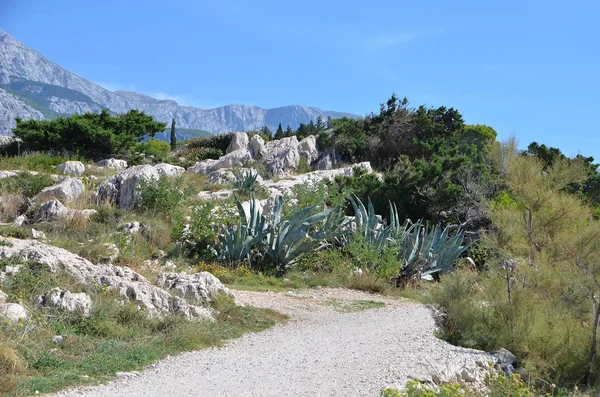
[121,189]
[20,220]
[202,167]
[67,190]
[113,164]
[504,356]
[72,168]
[3,297]
[132,227]
[257,146]
[51,210]
[239,140]
[307,148]
[281,156]
[328,160]
[65,300]
[221,177]
[128,284]
[237,158]
[220,195]
[7,174]
[200,287]
[12,312]
[37,235]
[169,169]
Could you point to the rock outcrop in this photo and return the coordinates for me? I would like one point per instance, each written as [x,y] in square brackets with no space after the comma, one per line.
[281,156]
[52,210]
[12,312]
[257,146]
[72,168]
[121,189]
[113,164]
[169,169]
[67,190]
[307,148]
[65,300]
[199,287]
[237,158]
[127,283]
[239,140]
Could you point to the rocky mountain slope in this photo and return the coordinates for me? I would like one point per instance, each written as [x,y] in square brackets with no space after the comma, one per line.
[32,86]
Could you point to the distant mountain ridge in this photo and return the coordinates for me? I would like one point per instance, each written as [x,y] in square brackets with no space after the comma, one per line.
[32,86]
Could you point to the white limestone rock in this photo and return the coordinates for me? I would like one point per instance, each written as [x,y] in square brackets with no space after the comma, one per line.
[307,148]
[65,300]
[128,284]
[169,169]
[239,140]
[200,287]
[67,190]
[12,312]
[72,168]
[121,189]
[113,164]
[281,156]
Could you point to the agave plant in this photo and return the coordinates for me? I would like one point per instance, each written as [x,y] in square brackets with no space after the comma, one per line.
[246,182]
[237,242]
[289,239]
[427,252]
[370,225]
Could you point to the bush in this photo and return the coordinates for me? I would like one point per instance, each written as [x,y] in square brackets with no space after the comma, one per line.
[26,184]
[162,196]
[159,150]
[198,237]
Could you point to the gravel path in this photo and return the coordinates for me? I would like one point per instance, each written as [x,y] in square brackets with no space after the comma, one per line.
[322,351]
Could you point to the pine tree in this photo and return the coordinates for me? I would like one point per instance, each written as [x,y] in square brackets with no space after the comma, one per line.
[320,124]
[279,133]
[173,135]
[329,122]
[288,131]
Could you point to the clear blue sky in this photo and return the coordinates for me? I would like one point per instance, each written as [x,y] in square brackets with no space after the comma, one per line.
[525,67]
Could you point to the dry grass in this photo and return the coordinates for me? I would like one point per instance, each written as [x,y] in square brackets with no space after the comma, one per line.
[10,363]
[11,206]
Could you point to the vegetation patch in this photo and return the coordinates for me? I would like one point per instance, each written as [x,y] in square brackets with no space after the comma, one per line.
[345,306]
[115,337]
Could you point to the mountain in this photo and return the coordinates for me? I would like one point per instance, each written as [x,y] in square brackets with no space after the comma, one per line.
[32,86]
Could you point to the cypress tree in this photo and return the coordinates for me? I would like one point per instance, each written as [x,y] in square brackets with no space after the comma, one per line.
[279,133]
[173,135]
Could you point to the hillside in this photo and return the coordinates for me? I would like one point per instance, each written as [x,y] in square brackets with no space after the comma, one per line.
[34,86]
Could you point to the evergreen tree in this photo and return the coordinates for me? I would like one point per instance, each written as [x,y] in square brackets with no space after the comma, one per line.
[311,129]
[288,131]
[279,133]
[267,133]
[320,124]
[329,123]
[173,135]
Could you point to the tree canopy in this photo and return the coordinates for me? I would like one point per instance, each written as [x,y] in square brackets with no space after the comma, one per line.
[91,135]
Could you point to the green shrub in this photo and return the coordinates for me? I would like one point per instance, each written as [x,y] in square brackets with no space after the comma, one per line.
[162,196]
[198,237]
[303,166]
[15,232]
[159,150]
[26,184]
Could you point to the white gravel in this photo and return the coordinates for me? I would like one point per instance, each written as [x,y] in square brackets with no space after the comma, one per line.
[320,352]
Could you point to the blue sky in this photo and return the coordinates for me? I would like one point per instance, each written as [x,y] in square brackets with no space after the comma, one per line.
[525,67]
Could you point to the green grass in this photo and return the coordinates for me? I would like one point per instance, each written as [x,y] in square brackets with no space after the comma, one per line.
[354,305]
[40,162]
[113,338]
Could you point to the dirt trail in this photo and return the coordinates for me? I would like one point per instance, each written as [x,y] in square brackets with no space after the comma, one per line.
[326,349]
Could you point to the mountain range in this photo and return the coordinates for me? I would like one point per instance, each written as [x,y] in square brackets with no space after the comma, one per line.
[32,86]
